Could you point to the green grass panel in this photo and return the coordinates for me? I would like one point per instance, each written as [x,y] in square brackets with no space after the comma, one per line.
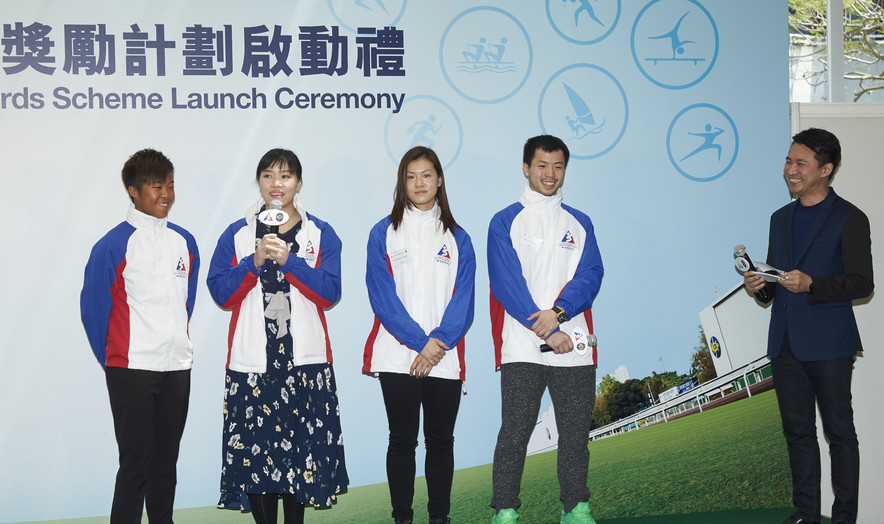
[727,465]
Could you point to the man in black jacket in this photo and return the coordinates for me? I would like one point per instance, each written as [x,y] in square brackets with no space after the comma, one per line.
[823,242]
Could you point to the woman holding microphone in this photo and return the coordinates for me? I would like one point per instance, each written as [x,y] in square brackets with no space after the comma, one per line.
[277,269]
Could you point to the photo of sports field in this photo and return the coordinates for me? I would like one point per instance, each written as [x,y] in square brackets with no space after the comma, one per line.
[725,465]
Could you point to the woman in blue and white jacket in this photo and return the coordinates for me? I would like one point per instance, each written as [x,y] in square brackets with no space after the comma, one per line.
[420,276]
[282,431]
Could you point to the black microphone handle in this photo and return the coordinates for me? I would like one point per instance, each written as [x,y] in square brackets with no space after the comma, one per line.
[762,293]
[274,230]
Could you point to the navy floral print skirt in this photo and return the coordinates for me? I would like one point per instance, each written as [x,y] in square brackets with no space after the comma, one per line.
[282,428]
[282,434]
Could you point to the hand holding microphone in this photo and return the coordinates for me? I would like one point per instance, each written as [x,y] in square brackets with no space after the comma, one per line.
[753,283]
[563,347]
[270,246]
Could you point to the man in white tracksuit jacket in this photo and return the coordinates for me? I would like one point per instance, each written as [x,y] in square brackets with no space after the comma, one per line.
[139,289]
[545,270]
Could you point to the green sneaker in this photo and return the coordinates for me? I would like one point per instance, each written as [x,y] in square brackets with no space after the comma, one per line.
[578,515]
[505,516]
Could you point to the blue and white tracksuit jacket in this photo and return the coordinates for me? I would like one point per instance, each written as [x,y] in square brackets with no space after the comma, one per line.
[314,273]
[421,284]
[138,294]
[542,253]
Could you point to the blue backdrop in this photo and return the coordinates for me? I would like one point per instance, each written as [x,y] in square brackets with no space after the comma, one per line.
[676,113]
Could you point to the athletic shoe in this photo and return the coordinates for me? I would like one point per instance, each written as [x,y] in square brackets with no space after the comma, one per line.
[578,515]
[795,519]
[505,516]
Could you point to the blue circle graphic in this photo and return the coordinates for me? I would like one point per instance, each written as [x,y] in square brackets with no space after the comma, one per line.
[615,89]
[676,44]
[459,89]
[371,23]
[549,16]
[387,124]
[678,166]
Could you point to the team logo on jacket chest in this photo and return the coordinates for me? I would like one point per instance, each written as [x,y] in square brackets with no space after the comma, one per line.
[443,256]
[181,268]
[568,241]
[309,252]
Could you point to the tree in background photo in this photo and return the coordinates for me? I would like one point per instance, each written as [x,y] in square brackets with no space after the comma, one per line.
[863,42]
[702,365]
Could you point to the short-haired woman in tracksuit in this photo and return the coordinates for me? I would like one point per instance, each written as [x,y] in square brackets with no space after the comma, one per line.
[420,276]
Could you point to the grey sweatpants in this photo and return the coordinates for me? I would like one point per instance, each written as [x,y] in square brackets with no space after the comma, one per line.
[572,390]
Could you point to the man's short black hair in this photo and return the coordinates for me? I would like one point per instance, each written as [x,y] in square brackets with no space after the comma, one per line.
[145,167]
[825,146]
[547,143]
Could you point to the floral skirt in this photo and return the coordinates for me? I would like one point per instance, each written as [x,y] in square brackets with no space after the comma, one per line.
[282,434]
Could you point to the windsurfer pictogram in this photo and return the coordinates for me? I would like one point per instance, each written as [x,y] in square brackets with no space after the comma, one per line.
[584,122]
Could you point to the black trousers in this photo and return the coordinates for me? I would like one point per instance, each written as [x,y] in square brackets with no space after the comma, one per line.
[404,396]
[149,410]
[800,387]
[265,508]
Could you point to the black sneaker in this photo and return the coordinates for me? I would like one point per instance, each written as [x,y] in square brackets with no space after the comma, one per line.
[795,519]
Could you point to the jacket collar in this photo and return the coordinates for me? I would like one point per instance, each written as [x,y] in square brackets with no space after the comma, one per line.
[534,200]
[414,214]
[143,220]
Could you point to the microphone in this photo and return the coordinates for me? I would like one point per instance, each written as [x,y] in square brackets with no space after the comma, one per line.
[273,216]
[743,264]
[275,205]
[591,340]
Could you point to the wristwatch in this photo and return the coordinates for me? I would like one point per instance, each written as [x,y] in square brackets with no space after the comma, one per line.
[561,317]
